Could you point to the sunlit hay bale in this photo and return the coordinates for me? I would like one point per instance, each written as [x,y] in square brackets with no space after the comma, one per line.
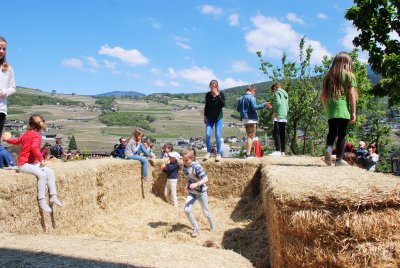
[83,188]
[319,216]
[228,178]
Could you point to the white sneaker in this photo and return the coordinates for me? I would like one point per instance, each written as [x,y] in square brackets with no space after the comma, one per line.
[195,232]
[341,163]
[206,157]
[44,206]
[328,157]
[276,153]
[54,200]
[283,153]
[218,158]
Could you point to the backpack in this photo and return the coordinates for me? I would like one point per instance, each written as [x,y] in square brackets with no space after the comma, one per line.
[56,151]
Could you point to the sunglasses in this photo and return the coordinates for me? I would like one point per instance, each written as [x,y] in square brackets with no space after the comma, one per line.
[372,147]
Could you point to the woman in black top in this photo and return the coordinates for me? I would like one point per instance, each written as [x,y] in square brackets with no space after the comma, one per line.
[215,100]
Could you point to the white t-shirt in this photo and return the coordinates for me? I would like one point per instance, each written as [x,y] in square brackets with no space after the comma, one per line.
[7,87]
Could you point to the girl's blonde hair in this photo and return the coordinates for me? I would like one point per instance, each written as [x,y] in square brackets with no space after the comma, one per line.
[36,122]
[3,62]
[332,84]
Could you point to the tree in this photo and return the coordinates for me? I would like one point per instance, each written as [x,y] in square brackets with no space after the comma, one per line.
[302,82]
[379,24]
[72,144]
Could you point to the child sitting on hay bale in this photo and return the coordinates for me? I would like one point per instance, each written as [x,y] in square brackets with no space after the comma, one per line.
[196,189]
[133,150]
[31,161]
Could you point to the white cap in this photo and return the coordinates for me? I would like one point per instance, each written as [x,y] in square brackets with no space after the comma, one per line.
[175,155]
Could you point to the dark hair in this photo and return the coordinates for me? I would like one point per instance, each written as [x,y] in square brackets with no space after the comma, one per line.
[251,88]
[350,158]
[374,145]
[275,86]
[213,82]
[169,146]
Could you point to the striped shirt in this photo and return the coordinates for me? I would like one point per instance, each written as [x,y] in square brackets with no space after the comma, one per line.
[195,173]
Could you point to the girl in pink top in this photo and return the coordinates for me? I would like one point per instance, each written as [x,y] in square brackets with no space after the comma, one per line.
[31,161]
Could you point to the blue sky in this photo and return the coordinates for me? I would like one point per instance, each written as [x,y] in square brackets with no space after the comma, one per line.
[89,47]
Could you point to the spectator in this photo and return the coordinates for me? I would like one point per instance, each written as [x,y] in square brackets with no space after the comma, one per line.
[57,150]
[247,107]
[134,148]
[362,151]
[213,116]
[348,147]
[119,151]
[373,157]
[149,147]
[45,151]
[279,116]
[225,149]
[167,148]
[6,160]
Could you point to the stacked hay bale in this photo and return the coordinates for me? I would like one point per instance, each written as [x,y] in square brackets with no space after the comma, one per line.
[320,216]
[84,187]
[226,179]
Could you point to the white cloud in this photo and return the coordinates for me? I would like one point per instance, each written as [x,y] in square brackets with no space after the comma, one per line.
[273,38]
[172,73]
[240,66]
[230,82]
[78,64]
[175,84]
[234,20]
[210,10]
[109,64]
[73,63]
[182,45]
[182,42]
[198,75]
[155,70]
[155,23]
[132,57]
[92,62]
[294,18]
[349,33]
[162,83]
[322,16]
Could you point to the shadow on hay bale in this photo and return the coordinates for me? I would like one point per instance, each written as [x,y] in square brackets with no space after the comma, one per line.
[249,241]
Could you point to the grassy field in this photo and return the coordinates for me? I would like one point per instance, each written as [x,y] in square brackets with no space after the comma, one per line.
[91,134]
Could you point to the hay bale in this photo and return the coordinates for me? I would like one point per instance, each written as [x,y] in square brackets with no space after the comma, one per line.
[83,187]
[329,216]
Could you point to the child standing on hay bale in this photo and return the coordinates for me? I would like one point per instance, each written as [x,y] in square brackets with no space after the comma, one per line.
[171,169]
[7,82]
[134,148]
[196,189]
[31,161]
[339,89]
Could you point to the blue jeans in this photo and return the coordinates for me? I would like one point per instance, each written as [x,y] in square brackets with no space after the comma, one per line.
[203,200]
[142,159]
[218,134]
